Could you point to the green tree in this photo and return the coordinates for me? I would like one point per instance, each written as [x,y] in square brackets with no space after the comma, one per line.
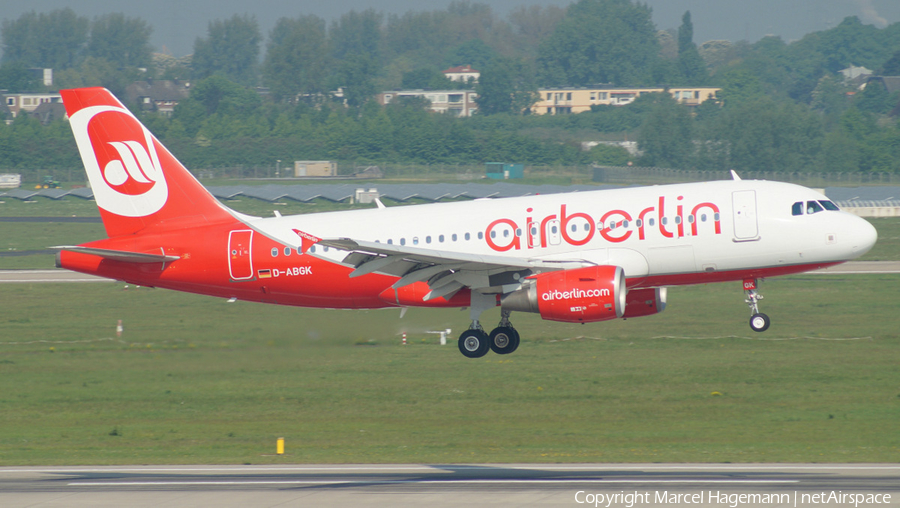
[608,155]
[355,42]
[506,86]
[56,39]
[829,97]
[121,40]
[690,64]
[600,41]
[231,49]
[354,77]
[766,135]
[16,77]
[892,66]
[473,52]
[666,134]
[428,79]
[297,59]
[356,34]
[739,86]
[219,95]
[532,24]
[95,71]
[875,98]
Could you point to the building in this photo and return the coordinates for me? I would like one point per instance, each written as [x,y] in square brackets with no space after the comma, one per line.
[503,171]
[28,102]
[891,83]
[314,168]
[556,101]
[855,73]
[454,102]
[49,111]
[160,95]
[10,181]
[462,73]
[44,75]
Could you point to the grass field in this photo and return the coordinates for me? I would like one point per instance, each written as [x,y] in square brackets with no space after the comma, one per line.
[197,380]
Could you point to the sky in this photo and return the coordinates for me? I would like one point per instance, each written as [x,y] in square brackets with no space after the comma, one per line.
[177,23]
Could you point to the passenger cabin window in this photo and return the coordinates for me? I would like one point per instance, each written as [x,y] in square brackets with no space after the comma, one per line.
[813,207]
[797,208]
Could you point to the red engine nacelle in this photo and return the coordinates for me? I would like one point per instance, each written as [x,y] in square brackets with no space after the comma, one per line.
[644,302]
[583,295]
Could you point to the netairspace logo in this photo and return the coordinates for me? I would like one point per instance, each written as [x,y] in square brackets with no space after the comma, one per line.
[730,499]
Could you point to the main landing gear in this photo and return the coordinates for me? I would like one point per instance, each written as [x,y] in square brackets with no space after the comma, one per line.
[475,342]
[503,340]
[759,322]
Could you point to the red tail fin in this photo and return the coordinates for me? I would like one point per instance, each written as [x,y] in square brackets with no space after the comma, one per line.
[137,183]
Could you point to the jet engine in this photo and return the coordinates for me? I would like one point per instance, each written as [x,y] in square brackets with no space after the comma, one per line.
[582,295]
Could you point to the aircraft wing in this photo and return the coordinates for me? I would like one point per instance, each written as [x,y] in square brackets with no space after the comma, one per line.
[445,272]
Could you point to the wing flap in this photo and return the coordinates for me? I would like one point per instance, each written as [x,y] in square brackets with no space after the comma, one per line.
[386,254]
[445,272]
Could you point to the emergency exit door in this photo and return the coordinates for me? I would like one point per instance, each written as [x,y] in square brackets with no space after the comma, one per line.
[744,209]
[240,263]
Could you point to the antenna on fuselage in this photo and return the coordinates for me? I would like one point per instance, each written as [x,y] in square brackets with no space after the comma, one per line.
[734,175]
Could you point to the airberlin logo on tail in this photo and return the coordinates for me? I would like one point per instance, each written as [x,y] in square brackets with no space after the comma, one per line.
[120,157]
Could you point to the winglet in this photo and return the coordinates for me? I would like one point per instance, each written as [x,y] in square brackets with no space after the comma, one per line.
[734,175]
[306,240]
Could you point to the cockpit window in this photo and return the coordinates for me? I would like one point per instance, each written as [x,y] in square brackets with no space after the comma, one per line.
[829,205]
[797,209]
[813,207]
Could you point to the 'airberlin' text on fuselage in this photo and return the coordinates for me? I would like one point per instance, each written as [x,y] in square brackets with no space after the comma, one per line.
[614,226]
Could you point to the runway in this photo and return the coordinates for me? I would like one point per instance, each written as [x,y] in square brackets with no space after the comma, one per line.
[58,275]
[452,485]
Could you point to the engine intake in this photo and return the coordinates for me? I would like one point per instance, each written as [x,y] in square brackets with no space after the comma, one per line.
[583,295]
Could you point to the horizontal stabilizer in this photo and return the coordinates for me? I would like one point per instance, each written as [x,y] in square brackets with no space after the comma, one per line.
[120,255]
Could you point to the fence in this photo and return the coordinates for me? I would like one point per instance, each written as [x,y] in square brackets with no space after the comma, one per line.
[642,175]
[465,172]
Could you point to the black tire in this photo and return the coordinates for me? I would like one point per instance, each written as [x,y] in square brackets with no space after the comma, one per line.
[474,343]
[759,322]
[504,340]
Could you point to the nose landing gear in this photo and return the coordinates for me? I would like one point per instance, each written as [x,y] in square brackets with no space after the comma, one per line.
[759,322]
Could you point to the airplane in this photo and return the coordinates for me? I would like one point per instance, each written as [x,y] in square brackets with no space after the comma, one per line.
[573,257]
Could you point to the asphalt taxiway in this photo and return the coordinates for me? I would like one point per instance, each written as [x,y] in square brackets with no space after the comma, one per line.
[714,485]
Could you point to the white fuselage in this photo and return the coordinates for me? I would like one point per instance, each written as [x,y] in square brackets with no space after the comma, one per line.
[662,230]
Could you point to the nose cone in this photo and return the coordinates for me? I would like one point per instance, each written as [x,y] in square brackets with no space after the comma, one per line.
[862,237]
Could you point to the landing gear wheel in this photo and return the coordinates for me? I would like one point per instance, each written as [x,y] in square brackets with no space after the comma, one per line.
[504,340]
[474,343]
[759,322]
